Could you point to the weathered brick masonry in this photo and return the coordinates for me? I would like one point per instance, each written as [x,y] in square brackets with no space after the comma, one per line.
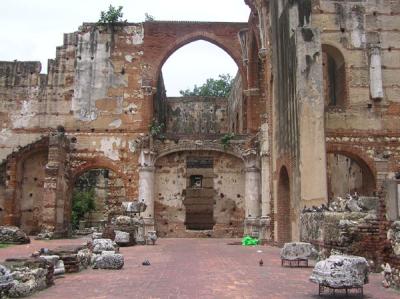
[314,112]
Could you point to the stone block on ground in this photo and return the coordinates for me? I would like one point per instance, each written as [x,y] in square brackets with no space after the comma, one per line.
[123,238]
[100,245]
[151,237]
[13,235]
[298,250]
[108,260]
[339,271]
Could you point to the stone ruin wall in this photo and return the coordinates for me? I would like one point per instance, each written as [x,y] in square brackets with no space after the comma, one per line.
[196,116]
[227,181]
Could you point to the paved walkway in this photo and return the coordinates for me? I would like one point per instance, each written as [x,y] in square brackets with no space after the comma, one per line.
[190,268]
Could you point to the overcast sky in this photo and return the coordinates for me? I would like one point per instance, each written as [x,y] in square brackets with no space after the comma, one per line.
[32,29]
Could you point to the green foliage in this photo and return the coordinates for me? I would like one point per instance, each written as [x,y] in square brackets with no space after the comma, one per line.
[156,128]
[4,245]
[148,17]
[112,15]
[82,203]
[226,139]
[213,87]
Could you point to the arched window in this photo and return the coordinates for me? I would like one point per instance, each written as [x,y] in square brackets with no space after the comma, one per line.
[334,72]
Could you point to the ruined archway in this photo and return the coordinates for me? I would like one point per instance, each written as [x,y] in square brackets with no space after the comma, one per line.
[348,173]
[199,194]
[29,192]
[96,195]
[283,208]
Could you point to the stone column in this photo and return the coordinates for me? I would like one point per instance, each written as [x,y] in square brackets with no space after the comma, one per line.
[375,74]
[146,186]
[10,208]
[55,190]
[252,195]
[265,220]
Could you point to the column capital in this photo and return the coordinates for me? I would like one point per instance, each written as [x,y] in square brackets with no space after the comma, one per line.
[147,158]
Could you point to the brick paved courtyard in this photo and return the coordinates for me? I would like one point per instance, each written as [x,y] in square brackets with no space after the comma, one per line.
[189,268]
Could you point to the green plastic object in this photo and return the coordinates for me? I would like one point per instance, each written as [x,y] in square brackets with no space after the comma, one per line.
[249,241]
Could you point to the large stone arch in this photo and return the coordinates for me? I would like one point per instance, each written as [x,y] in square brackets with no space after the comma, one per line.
[366,166]
[99,163]
[164,38]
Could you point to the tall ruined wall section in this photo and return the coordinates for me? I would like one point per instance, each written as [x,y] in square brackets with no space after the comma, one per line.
[367,124]
[298,116]
[235,106]
[196,115]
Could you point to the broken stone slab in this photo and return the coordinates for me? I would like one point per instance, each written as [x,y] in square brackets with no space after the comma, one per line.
[51,258]
[84,257]
[45,235]
[393,235]
[6,279]
[368,203]
[122,238]
[59,268]
[108,260]
[151,237]
[122,220]
[100,245]
[13,235]
[340,271]
[352,205]
[298,250]
[134,206]
[96,235]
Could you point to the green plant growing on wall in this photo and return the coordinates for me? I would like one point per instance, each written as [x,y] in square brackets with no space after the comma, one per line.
[112,15]
[156,128]
[148,17]
[82,203]
[226,140]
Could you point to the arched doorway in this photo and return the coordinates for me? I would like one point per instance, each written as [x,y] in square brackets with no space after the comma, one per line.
[97,195]
[348,173]
[283,208]
[30,182]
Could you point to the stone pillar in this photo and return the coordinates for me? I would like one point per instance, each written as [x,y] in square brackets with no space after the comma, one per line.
[252,195]
[10,209]
[309,177]
[146,186]
[375,74]
[55,190]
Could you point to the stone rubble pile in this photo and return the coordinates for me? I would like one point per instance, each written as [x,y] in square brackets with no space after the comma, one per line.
[391,277]
[298,250]
[21,277]
[393,236]
[339,271]
[13,235]
[350,203]
[127,229]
